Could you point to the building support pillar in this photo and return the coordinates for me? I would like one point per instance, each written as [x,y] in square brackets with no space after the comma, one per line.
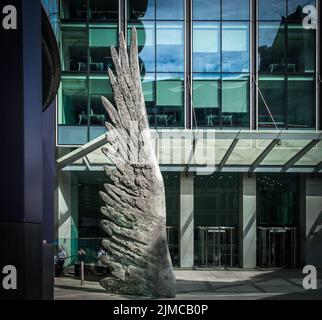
[311,235]
[67,214]
[247,221]
[186,221]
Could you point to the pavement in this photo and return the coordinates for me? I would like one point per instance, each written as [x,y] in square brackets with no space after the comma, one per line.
[209,285]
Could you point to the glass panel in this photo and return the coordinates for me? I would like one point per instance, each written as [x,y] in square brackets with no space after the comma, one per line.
[170,49]
[216,200]
[313,157]
[216,205]
[172,197]
[235,101]
[206,99]
[206,10]
[100,40]
[301,102]
[278,199]
[99,86]
[284,152]
[74,102]
[169,9]
[295,7]
[74,9]
[235,47]
[141,9]
[273,90]
[71,135]
[235,9]
[271,49]
[170,89]
[300,49]
[74,51]
[247,151]
[103,10]
[272,10]
[148,85]
[146,44]
[206,47]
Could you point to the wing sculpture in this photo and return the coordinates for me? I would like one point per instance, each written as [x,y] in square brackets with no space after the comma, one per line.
[134,197]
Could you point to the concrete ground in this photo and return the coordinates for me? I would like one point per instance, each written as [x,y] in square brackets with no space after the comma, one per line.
[208,285]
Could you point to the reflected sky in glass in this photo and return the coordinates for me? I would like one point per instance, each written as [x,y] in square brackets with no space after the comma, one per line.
[206,10]
[206,46]
[235,9]
[235,47]
[169,9]
[170,49]
[272,10]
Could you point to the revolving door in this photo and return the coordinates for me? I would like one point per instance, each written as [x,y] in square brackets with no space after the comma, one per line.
[277,247]
[217,247]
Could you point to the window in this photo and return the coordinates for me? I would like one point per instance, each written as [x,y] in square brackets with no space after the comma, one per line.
[220,63]
[286,66]
[160,30]
[100,40]
[74,49]
[170,100]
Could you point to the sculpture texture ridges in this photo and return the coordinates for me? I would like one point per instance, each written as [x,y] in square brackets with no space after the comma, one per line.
[134,197]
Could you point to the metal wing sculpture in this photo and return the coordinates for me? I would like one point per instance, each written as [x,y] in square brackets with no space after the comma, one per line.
[134,197]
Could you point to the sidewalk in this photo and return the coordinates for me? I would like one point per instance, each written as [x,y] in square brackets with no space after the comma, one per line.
[208,285]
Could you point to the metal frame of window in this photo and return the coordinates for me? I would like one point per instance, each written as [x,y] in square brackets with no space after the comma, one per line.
[285,73]
[155,73]
[88,73]
[221,21]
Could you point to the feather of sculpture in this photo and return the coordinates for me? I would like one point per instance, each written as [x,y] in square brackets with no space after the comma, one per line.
[134,197]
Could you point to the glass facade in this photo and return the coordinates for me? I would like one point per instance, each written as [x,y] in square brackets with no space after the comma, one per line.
[277,199]
[216,210]
[196,64]
[160,27]
[221,64]
[286,66]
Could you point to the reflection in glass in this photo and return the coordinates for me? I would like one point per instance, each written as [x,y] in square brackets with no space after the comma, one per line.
[169,9]
[273,91]
[206,99]
[141,9]
[146,44]
[170,100]
[74,50]
[235,47]
[148,86]
[100,40]
[301,48]
[98,87]
[103,10]
[277,199]
[272,10]
[73,102]
[74,9]
[301,102]
[235,101]
[206,10]
[294,6]
[235,9]
[170,49]
[206,47]
[271,48]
